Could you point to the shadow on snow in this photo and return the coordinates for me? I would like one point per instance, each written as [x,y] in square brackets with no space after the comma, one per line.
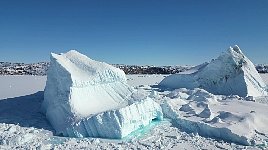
[24,111]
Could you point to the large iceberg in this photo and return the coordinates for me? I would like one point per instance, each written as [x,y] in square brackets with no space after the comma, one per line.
[84,97]
[232,73]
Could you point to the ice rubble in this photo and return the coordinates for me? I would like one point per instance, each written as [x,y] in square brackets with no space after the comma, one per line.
[228,118]
[84,97]
[232,73]
[231,116]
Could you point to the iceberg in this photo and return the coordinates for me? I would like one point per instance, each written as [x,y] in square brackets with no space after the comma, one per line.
[87,98]
[232,73]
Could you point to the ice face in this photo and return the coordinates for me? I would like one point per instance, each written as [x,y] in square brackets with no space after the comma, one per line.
[79,81]
[79,89]
[232,73]
[117,123]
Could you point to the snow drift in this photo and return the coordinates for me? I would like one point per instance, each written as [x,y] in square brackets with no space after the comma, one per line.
[84,97]
[232,73]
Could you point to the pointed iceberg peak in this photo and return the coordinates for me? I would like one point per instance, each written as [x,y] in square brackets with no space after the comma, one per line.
[236,49]
[232,73]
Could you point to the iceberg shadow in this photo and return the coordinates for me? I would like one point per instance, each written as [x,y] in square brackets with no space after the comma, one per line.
[24,111]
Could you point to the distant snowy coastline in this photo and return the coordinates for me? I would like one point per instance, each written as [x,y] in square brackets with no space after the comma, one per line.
[40,68]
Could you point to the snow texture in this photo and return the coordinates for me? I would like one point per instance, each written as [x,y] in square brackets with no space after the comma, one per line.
[24,127]
[15,86]
[84,97]
[229,118]
[232,73]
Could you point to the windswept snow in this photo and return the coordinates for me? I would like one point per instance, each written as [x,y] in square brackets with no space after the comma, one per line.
[87,98]
[232,73]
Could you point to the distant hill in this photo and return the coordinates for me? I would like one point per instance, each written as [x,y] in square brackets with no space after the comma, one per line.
[7,68]
[40,69]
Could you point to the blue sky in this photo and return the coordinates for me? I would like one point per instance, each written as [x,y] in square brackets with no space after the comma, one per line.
[157,32]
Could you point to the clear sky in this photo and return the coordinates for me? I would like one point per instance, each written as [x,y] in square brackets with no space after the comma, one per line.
[155,32]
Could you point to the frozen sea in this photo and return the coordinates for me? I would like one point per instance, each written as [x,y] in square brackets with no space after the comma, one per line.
[22,126]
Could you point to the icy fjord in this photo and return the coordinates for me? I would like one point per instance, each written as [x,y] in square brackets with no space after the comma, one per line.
[232,73]
[87,98]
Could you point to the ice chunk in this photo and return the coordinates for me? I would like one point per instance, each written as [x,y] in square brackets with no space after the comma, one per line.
[232,73]
[84,97]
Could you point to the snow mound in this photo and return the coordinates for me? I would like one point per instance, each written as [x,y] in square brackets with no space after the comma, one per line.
[226,118]
[84,97]
[232,73]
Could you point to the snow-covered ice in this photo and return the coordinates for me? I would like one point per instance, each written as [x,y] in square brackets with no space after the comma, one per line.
[85,98]
[230,118]
[195,118]
[163,135]
[232,73]
[16,85]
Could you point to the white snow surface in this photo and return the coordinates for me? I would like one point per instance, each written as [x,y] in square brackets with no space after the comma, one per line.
[85,98]
[232,73]
[16,85]
[22,126]
[230,118]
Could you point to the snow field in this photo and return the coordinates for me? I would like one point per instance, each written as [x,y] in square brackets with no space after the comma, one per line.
[171,136]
